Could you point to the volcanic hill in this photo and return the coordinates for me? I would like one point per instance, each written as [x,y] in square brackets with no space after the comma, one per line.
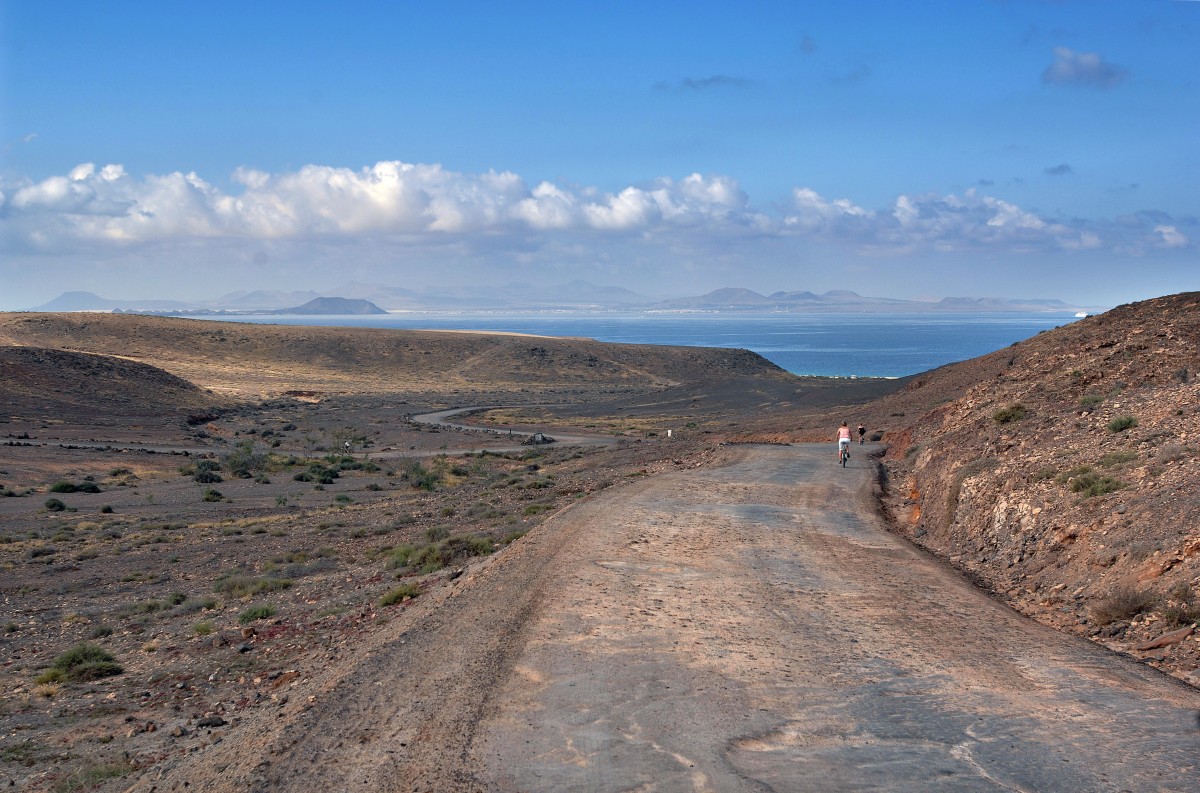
[1061,473]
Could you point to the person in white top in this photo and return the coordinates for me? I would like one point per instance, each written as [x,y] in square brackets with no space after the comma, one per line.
[843,439]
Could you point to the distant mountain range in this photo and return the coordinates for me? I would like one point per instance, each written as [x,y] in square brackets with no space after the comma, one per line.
[358,298]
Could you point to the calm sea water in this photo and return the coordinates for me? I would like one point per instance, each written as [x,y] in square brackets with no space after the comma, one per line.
[832,345]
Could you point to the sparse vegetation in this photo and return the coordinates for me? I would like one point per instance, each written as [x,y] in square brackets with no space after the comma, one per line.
[400,593]
[1010,414]
[1181,609]
[81,663]
[1089,485]
[1089,401]
[54,505]
[244,462]
[258,612]
[1123,603]
[1117,458]
[420,477]
[1122,423]
[240,586]
[434,555]
[92,775]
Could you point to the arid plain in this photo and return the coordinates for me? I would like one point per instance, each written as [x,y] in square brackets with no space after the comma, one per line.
[225,513]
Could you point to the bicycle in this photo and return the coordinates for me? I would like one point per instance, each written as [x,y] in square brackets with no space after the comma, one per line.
[844,453]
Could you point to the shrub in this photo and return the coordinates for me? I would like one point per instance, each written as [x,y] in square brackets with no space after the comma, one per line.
[259,612]
[93,775]
[212,495]
[207,477]
[1122,423]
[83,662]
[1122,604]
[1067,476]
[1117,458]
[54,505]
[436,555]
[1011,413]
[106,509]
[1042,474]
[203,628]
[1090,400]
[317,473]
[420,477]
[1092,485]
[87,487]
[240,586]
[342,498]
[243,462]
[63,487]
[400,593]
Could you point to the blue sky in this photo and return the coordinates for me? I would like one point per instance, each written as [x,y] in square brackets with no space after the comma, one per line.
[1022,149]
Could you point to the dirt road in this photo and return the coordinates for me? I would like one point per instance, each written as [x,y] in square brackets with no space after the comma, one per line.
[750,627]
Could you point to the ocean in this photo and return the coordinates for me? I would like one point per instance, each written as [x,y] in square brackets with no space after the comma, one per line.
[829,345]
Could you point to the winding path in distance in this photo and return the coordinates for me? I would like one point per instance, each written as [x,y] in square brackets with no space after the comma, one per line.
[747,627]
[442,418]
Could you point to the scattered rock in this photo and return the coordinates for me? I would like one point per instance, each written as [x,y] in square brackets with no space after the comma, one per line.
[1166,640]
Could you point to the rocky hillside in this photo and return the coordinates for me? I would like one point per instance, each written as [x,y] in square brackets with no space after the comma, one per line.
[246,360]
[1061,473]
[41,382]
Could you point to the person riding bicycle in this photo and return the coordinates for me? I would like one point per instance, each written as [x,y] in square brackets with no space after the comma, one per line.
[843,439]
[862,434]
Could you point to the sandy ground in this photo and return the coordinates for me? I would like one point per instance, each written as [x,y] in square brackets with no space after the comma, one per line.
[751,626]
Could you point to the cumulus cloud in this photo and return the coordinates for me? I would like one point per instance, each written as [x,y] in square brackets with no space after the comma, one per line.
[1083,69]
[392,197]
[1170,237]
[939,222]
[427,204]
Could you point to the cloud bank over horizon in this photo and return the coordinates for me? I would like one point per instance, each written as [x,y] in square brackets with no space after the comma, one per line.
[108,206]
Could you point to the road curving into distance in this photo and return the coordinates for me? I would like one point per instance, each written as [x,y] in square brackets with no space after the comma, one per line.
[747,627]
[442,418]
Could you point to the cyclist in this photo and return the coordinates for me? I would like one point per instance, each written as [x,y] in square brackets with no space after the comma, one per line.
[862,433]
[843,439]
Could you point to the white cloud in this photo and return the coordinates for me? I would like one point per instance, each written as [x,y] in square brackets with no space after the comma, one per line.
[1082,68]
[426,202]
[1170,237]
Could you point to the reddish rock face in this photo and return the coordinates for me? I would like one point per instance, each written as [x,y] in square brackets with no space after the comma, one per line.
[1060,473]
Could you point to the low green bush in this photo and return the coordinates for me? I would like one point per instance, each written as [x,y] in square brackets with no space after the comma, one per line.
[1117,458]
[400,593]
[1089,485]
[259,612]
[81,663]
[1011,413]
[1122,423]
[240,586]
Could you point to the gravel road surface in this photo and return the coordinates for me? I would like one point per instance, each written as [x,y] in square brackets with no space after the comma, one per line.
[750,627]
